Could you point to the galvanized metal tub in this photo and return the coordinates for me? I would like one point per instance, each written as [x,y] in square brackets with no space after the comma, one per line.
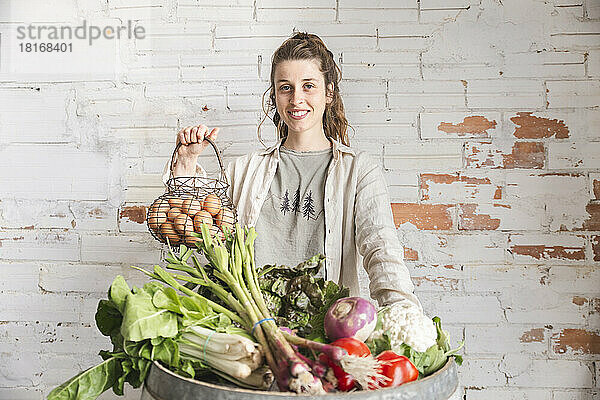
[162,384]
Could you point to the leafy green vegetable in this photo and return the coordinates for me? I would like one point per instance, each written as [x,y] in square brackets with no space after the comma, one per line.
[296,298]
[144,326]
[142,320]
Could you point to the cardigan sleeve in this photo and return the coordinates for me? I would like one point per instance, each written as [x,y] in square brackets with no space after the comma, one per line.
[377,240]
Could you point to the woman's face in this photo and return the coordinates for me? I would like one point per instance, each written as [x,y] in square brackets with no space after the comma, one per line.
[300,86]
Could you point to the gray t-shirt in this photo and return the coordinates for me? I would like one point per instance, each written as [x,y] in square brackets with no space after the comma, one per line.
[291,223]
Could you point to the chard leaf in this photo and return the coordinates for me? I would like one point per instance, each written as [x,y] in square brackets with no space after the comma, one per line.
[142,320]
[89,384]
[108,318]
[168,299]
[118,292]
[167,352]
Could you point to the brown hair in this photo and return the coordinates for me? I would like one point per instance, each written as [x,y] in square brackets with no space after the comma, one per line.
[305,46]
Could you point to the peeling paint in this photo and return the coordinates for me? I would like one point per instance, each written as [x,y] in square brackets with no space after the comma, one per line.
[470,220]
[95,212]
[443,282]
[576,340]
[531,127]
[134,213]
[477,125]
[423,216]
[501,155]
[525,155]
[596,188]
[579,301]
[593,222]
[533,335]
[596,247]
[411,254]
[543,252]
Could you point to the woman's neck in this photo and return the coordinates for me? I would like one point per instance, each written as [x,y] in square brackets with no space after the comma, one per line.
[306,143]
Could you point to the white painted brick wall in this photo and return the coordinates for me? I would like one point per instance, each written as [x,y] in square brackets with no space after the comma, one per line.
[483,114]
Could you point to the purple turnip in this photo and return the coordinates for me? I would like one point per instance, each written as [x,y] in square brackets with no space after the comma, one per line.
[350,317]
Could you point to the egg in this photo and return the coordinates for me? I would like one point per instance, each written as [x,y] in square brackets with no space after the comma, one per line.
[155,220]
[167,230]
[216,231]
[159,205]
[200,217]
[212,204]
[183,223]
[191,206]
[176,202]
[225,218]
[173,213]
[189,239]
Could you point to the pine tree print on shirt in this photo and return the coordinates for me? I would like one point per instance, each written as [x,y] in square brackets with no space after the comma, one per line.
[308,208]
[296,202]
[285,204]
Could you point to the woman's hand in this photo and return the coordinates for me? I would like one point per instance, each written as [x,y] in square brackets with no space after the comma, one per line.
[192,144]
[192,141]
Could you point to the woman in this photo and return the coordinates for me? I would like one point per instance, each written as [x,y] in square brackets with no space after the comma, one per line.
[311,193]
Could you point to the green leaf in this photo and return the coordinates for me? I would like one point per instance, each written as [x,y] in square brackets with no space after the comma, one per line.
[108,318]
[118,292]
[168,299]
[167,352]
[89,384]
[142,320]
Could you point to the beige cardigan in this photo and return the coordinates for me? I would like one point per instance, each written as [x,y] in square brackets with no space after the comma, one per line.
[359,228]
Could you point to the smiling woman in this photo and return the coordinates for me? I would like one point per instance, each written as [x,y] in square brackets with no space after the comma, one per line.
[311,192]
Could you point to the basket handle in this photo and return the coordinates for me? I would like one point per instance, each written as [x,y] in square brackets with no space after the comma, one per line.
[217,152]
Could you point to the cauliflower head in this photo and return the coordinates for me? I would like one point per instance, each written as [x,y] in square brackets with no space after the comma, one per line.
[404,322]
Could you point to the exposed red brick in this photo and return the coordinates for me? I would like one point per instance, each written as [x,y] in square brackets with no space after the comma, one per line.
[596,247]
[596,187]
[410,254]
[525,155]
[498,193]
[542,252]
[423,216]
[577,340]
[531,127]
[448,179]
[579,301]
[488,154]
[593,222]
[473,125]
[134,213]
[469,220]
[533,335]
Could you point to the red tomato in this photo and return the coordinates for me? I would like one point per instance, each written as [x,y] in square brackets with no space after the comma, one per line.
[354,347]
[397,368]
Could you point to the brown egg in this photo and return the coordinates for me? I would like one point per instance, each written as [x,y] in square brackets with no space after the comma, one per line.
[225,218]
[167,230]
[191,206]
[216,231]
[183,223]
[155,220]
[200,217]
[176,202]
[159,205]
[191,240]
[173,213]
[212,204]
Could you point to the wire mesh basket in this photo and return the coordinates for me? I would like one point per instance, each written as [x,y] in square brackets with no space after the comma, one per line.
[188,202]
